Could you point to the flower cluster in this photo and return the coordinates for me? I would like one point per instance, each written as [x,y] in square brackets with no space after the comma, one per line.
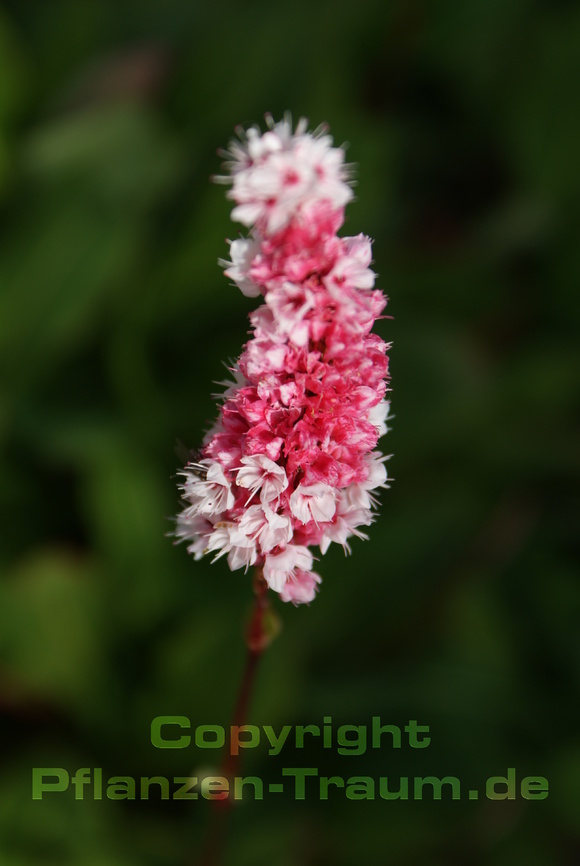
[291,462]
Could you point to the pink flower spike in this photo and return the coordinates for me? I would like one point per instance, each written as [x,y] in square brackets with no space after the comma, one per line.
[292,462]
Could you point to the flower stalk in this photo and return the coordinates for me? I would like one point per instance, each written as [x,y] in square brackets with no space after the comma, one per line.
[262,628]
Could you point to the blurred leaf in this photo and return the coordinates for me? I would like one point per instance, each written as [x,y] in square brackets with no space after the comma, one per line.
[123,503]
[119,154]
[13,71]
[50,629]
[542,118]
[65,830]
[53,286]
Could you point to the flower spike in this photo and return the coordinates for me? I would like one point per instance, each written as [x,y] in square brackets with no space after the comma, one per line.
[291,462]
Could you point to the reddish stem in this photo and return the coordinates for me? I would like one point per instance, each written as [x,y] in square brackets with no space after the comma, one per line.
[257,639]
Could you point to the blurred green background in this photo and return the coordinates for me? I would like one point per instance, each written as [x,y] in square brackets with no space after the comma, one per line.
[115,320]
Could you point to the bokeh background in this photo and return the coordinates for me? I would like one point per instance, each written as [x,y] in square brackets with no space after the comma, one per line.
[115,320]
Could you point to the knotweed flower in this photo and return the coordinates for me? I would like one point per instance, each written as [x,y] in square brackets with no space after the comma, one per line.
[291,462]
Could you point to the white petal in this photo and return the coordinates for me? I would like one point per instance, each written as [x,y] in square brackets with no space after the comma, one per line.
[313,502]
[279,567]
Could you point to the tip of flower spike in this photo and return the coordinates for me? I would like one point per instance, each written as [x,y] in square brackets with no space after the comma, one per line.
[280,173]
